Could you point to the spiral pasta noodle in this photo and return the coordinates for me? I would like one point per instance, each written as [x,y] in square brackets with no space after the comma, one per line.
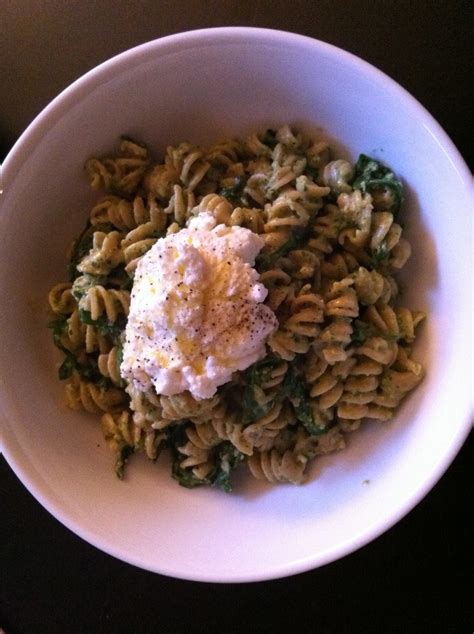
[110,302]
[122,172]
[276,467]
[124,436]
[109,365]
[183,406]
[105,254]
[61,300]
[81,394]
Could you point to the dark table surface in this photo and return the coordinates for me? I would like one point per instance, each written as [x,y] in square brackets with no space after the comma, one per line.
[417,577]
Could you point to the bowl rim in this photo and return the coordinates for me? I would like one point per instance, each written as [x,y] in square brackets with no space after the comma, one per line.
[48,118]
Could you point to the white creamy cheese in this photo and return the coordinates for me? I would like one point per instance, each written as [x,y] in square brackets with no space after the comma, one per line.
[196,313]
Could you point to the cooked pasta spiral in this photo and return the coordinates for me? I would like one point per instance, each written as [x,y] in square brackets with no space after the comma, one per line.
[296,332]
[99,300]
[226,154]
[369,285]
[109,365]
[261,433]
[105,254]
[306,310]
[225,427]
[122,173]
[338,265]
[355,213]
[393,324]
[337,175]
[61,300]
[341,299]
[278,284]
[120,432]
[196,458]
[379,349]
[308,446]
[217,206]
[282,217]
[301,264]
[140,239]
[146,408]
[189,163]
[96,341]
[183,406]
[275,467]
[324,232]
[180,205]
[85,395]
[335,340]
[78,336]
[121,213]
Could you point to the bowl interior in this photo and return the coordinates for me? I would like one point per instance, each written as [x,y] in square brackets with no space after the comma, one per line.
[201,87]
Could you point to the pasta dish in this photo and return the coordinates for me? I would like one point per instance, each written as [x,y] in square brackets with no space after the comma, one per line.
[237,305]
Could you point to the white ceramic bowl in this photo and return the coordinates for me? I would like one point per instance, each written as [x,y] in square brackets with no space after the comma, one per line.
[201,86]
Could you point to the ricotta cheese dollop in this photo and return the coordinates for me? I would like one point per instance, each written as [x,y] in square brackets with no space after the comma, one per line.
[196,313]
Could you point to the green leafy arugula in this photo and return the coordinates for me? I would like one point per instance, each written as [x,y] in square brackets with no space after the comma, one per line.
[361,332]
[228,459]
[59,328]
[295,389]
[119,277]
[103,325]
[311,172]
[234,192]
[371,176]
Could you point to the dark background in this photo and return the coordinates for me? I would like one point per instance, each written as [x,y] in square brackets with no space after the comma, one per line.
[417,577]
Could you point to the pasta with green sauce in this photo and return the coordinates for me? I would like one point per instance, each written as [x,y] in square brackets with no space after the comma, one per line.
[332,249]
